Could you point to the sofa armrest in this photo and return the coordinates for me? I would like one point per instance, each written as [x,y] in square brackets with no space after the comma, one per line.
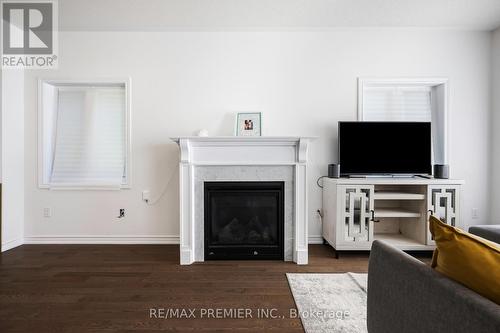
[406,295]
[489,232]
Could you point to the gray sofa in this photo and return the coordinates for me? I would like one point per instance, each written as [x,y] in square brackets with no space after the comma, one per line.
[490,232]
[406,295]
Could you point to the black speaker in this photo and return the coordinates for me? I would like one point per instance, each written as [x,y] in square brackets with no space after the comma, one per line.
[333,170]
[441,171]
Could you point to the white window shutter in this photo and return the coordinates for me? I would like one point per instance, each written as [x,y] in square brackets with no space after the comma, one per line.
[397,103]
[90,136]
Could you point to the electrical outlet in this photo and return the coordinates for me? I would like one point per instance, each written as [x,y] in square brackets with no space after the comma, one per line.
[145,195]
[47,212]
[319,215]
[121,213]
[475,213]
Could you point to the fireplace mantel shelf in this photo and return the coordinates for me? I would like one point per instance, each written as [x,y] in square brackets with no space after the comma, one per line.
[243,138]
[240,157]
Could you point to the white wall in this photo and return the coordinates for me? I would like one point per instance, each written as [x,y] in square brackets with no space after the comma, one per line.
[12,158]
[303,82]
[495,130]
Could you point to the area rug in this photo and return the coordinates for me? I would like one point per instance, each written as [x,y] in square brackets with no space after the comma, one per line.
[330,302]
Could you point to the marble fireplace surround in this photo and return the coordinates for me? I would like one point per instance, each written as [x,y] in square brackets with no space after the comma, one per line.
[242,159]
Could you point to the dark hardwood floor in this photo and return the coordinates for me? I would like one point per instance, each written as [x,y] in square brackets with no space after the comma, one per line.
[111,288]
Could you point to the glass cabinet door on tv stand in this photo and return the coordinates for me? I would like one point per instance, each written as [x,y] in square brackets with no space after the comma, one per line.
[356,214]
[443,202]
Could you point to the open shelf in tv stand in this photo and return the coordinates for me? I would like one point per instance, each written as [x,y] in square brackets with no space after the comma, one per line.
[357,211]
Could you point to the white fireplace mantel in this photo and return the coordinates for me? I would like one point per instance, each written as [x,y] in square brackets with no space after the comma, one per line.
[197,153]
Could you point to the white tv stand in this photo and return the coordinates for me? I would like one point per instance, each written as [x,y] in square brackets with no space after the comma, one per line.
[357,211]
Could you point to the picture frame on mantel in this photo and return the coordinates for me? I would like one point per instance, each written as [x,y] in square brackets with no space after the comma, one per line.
[249,124]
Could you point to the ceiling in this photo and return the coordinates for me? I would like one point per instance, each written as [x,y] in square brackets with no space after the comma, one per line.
[137,15]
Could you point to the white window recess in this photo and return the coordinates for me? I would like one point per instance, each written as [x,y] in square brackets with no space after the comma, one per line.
[84,134]
[408,100]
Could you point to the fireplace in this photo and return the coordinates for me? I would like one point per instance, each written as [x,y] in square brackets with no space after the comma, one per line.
[244,220]
[242,159]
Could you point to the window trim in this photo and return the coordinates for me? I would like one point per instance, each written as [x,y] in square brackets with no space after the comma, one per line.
[431,82]
[42,164]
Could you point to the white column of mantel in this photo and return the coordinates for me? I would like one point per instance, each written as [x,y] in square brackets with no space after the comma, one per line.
[186,190]
[300,253]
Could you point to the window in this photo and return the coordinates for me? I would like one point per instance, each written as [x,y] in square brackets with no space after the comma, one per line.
[397,103]
[407,100]
[84,134]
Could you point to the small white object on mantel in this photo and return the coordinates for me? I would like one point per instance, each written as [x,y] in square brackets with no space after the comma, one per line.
[198,152]
[203,133]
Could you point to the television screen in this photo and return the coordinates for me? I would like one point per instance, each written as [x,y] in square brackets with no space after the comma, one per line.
[367,148]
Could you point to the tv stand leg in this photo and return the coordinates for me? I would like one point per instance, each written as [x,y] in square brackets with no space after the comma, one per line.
[337,254]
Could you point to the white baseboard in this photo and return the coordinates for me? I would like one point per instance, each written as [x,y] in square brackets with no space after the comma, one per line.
[127,239]
[317,239]
[12,244]
[99,239]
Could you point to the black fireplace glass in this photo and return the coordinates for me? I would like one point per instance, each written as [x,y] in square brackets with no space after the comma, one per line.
[244,220]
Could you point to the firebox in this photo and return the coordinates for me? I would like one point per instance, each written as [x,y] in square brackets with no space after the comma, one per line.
[244,220]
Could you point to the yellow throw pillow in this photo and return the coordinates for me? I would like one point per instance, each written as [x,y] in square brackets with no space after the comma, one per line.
[467,259]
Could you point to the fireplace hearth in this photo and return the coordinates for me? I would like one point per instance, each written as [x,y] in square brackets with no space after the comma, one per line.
[244,220]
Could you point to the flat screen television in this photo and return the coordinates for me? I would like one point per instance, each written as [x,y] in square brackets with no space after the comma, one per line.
[384,148]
